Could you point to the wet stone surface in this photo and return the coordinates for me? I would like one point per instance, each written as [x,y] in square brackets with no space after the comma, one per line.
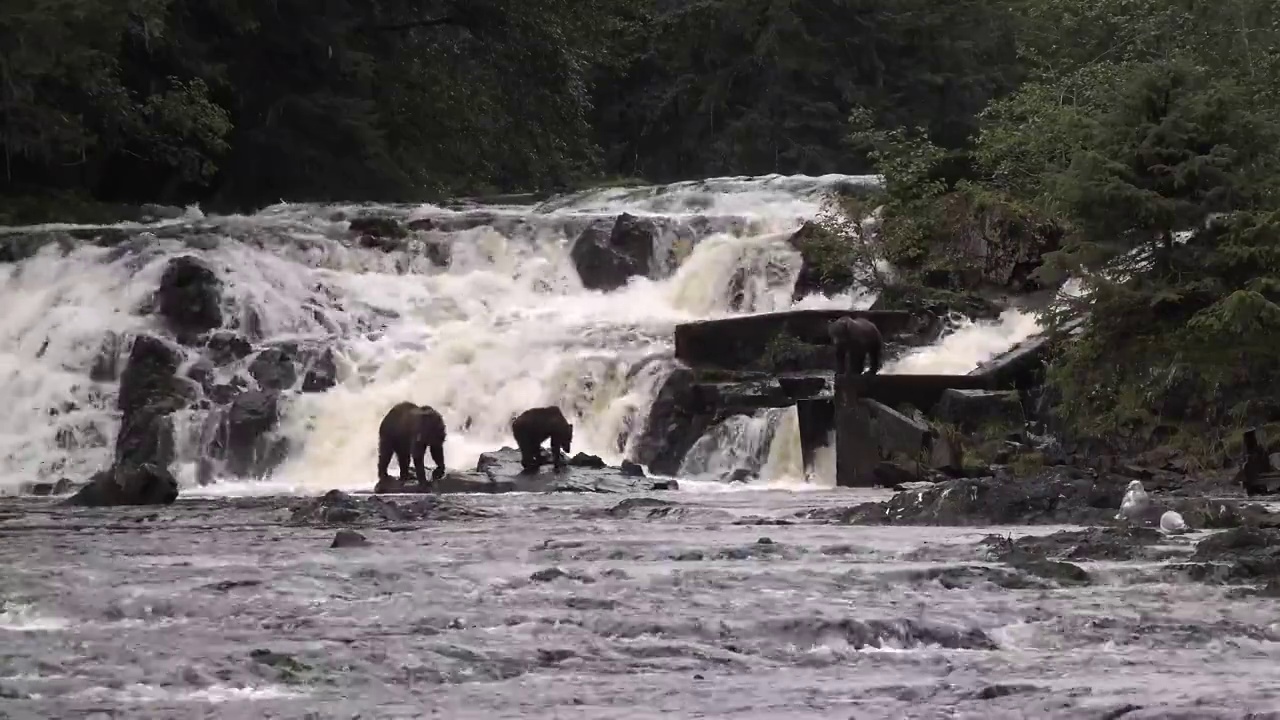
[600,606]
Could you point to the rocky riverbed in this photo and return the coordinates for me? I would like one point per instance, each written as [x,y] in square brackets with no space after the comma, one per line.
[749,604]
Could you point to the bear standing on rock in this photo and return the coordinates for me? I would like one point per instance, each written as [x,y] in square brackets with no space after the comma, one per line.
[406,432]
[858,344]
[536,425]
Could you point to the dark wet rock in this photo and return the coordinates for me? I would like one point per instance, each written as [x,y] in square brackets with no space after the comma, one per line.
[758,520]
[63,486]
[229,585]
[150,378]
[1249,553]
[606,261]
[150,391]
[555,573]
[646,508]
[674,424]
[338,508]
[1098,543]
[971,410]
[189,297]
[762,548]
[146,435]
[740,476]
[1053,497]
[503,472]
[145,484]
[1063,573]
[905,633]
[631,469]
[223,393]
[377,227]
[249,447]
[106,364]
[992,692]
[226,347]
[279,366]
[320,371]
[349,539]
[273,368]
[584,460]
[1208,514]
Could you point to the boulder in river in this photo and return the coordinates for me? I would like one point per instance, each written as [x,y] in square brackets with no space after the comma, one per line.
[150,391]
[1244,554]
[144,484]
[189,297]
[674,424]
[606,261]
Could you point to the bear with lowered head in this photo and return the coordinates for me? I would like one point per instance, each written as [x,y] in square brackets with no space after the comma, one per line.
[407,432]
[533,427]
[858,345]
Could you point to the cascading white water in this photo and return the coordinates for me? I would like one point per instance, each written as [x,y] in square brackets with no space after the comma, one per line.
[507,326]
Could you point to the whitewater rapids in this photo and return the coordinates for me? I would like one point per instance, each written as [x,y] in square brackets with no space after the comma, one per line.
[506,326]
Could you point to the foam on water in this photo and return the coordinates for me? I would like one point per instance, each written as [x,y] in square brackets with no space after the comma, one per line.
[970,345]
[507,326]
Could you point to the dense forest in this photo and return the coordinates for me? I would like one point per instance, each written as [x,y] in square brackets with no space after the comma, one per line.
[245,103]
[1138,129]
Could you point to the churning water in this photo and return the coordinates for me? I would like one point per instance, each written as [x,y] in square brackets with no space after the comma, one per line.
[505,326]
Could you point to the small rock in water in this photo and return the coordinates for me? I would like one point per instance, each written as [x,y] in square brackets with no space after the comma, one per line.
[587,461]
[348,539]
[631,469]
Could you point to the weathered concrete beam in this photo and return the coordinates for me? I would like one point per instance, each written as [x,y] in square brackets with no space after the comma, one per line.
[897,433]
[857,451]
[817,419]
[738,342]
[919,391]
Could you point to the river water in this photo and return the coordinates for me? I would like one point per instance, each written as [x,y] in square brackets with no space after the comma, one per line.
[547,606]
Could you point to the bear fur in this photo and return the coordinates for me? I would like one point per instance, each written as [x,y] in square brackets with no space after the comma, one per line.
[406,432]
[858,344]
[536,425]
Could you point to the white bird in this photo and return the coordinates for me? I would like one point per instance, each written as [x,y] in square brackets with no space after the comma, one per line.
[1135,501]
[1171,523]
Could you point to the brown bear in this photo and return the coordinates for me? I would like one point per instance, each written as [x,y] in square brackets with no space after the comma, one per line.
[858,344]
[536,425]
[406,432]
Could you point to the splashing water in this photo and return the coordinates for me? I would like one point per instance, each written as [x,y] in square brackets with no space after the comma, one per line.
[507,325]
[970,345]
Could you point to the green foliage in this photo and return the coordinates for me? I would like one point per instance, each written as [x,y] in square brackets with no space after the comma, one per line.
[784,352]
[1147,147]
